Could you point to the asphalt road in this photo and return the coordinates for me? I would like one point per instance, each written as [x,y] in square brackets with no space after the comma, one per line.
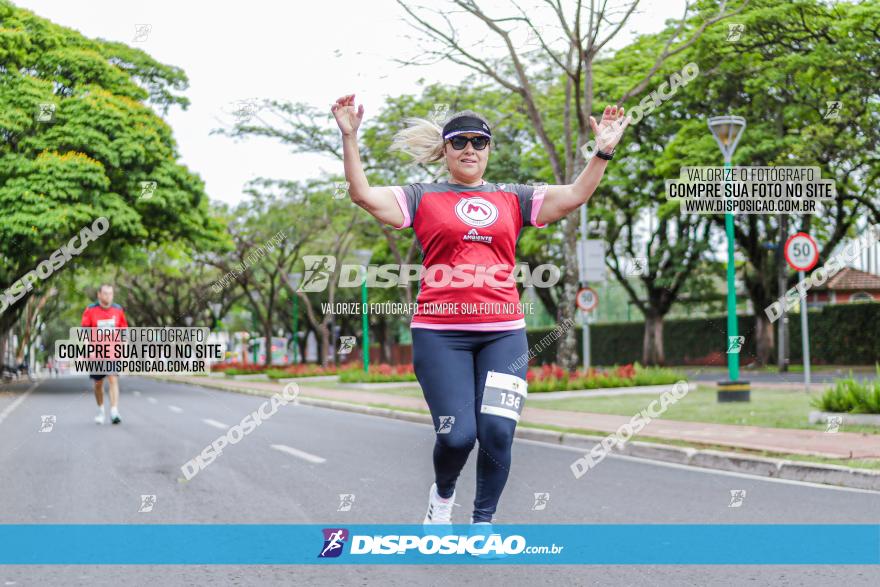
[292,469]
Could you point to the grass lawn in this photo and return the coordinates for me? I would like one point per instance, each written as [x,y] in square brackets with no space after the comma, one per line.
[768,408]
[404,391]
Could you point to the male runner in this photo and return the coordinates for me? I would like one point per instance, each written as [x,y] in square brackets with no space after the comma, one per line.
[105,314]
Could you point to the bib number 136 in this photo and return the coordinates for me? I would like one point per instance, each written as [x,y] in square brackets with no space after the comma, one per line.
[512,400]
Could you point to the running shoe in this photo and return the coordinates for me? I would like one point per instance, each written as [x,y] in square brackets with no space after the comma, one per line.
[439,509]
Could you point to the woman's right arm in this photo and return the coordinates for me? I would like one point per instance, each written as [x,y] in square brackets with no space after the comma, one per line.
[381,202]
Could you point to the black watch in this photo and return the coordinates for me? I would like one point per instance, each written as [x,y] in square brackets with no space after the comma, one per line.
[603,155]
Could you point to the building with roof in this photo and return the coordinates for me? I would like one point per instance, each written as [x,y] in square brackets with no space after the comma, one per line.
[847,286]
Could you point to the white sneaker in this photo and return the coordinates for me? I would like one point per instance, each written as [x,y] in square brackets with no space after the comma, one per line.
[439,510]
[114,416]
[99,419]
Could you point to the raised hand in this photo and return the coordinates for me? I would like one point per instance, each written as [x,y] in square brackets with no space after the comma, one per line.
[609,131]
[347,117]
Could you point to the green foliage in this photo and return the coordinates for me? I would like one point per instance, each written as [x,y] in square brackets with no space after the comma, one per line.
[78,135]
[849,395]
[839,335]
[556,379]
[233,372]
[378,374]
[844,334]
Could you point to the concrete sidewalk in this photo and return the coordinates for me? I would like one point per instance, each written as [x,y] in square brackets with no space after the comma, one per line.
[840,445]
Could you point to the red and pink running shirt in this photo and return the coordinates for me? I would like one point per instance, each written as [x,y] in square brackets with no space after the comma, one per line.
[468,228]
[104,319]
[95,316]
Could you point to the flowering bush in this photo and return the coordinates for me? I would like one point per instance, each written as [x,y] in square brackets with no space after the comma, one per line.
[302,370]
[555,378]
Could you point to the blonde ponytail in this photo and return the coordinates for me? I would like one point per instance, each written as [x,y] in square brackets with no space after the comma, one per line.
[421,139]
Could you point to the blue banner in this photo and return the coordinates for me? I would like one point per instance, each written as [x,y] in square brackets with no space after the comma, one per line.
[328,544]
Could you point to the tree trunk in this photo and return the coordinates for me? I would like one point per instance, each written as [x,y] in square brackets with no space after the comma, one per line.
[324,353]
[652,344]
[267,344]
[764,340]
[566,352]
[382,338]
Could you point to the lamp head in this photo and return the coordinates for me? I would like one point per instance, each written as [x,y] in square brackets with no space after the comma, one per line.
[727,131]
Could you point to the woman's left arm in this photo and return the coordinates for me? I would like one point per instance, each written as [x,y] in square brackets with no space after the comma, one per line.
[559,200]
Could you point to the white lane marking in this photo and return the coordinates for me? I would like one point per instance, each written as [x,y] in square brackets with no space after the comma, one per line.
[298,453]
[175,409]
[9,409]
[704,469]
[137,393]
[215,423]
[152,400]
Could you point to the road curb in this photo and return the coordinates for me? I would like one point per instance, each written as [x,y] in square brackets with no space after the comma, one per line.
[835,475]
[845,417]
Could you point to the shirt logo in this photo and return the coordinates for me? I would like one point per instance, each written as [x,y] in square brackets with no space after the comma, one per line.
[473,235]
[478,212]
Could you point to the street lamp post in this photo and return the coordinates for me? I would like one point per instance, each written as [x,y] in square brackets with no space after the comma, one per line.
[363,257]
[727,131]
[216,308]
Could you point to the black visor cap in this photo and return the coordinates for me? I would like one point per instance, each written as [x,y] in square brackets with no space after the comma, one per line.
[462,124]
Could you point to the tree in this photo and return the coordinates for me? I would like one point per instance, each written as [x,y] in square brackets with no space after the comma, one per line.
[270,231]
[791,61]
[80,141]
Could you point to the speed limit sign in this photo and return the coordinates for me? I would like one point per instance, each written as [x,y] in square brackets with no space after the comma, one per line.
[801,252]
[587,299]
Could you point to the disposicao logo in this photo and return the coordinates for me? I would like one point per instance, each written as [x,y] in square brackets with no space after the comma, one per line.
[334,540]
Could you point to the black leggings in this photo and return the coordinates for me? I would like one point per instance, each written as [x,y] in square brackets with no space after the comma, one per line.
[451,366]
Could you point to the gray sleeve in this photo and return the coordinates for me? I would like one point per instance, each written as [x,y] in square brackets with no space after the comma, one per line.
[530,198]
[408,198]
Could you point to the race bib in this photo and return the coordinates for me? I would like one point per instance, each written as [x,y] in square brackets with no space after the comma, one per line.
[504,395]
[108,323]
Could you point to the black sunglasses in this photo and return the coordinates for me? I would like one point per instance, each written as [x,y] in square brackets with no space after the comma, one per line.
[460,142]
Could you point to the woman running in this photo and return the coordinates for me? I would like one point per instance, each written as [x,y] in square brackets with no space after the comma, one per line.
[468,333]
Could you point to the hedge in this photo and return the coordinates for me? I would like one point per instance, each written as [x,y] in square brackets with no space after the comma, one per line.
[847,334]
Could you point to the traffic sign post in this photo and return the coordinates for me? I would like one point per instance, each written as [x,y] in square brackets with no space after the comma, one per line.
[805,338]
[587,299]
[802,254]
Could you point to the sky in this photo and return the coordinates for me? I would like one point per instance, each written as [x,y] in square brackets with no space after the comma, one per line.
[312,52]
